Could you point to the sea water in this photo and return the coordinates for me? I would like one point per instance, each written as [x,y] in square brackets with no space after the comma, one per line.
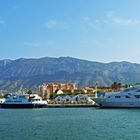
[70,124]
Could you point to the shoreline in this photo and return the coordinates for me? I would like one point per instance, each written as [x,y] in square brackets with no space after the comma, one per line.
[62,106]
[70,105]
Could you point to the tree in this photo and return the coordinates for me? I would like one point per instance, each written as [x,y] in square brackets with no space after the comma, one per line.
[116,86]
[53,95]
[29,92]
[7,96]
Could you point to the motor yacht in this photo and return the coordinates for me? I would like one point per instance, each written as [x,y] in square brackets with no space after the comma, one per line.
[24,101]
[129,98]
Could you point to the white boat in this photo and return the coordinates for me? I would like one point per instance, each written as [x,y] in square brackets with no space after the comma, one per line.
[24,101]
[129,98]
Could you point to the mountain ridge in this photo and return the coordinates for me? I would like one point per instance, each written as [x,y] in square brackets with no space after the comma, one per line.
[31,72]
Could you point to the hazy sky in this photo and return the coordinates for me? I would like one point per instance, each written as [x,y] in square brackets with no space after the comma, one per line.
[97,30]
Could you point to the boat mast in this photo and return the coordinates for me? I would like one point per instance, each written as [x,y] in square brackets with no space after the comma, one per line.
[96,88]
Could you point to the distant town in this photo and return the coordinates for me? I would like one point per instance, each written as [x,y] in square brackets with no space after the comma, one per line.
[62,93]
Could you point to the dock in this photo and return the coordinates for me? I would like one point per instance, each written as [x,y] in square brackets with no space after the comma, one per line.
[70,106]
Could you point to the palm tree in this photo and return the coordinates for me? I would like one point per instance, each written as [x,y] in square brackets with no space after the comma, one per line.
[116,86]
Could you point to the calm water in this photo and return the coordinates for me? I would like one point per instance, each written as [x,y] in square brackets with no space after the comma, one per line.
[70,124]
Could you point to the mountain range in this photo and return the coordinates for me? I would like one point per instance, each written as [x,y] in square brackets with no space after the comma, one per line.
[31,73]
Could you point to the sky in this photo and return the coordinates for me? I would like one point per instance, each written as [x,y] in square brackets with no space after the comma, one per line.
[95,30]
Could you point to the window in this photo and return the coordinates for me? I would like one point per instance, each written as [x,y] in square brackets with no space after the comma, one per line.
[117,96]
[138,91]
[67,100]
[137,96]
[127,96]
[22,97]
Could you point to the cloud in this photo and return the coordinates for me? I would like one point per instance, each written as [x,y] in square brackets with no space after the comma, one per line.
[32,44]
[121,21]
[51,24]
[38,44]
[110,14]
[89,23]
[113,19]
[86,18]
[90,42]
[2,23]
[109,18]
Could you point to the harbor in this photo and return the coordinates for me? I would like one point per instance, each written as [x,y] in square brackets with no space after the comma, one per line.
[71,105]
[126,98]
[69,124]
[69,70]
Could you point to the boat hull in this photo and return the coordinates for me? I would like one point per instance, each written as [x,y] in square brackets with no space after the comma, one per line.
[23,106]
[106,103]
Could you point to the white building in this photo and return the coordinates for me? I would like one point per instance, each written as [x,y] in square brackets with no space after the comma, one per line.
[58,99]
[67,99]
[73,99]
[83,98]
[59,92]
